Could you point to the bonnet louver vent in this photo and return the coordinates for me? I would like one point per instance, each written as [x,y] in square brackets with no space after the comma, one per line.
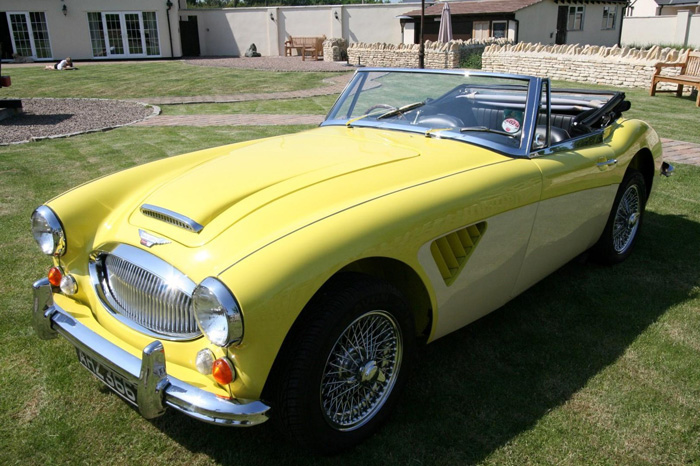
[452,251]
[173,218]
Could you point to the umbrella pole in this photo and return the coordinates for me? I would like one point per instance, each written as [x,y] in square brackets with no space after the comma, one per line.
[421,49]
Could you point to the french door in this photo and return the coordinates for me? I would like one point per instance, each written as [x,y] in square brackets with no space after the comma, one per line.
[124,34]
[30,34]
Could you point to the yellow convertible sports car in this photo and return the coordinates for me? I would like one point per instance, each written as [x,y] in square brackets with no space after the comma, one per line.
[292,278]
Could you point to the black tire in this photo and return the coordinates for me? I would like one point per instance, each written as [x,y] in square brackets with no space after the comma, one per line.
[625,220]
[333,361]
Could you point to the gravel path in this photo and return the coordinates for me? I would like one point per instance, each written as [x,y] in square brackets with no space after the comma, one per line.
[270,64]
[44,118]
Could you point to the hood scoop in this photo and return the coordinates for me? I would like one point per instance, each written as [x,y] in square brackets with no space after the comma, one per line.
[173,218]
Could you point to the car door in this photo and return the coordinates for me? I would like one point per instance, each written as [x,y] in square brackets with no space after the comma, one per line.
[580,177]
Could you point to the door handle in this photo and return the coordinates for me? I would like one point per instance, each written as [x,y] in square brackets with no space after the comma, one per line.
[606,163]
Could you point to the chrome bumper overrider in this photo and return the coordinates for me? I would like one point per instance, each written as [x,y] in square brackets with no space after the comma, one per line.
[156,390]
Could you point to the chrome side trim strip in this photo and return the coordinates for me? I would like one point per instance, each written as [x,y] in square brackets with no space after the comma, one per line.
[171,217]
[156,389]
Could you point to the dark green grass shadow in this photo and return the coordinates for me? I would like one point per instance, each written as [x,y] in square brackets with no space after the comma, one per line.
[475,390]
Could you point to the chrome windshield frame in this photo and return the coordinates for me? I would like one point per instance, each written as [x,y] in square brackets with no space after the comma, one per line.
[530,112]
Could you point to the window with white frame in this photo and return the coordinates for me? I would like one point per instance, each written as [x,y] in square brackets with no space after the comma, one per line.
[30,34]
[124,34]
[500,29]
[609,17]
[575,22]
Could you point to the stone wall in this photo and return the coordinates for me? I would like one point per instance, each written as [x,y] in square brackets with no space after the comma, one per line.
[613,66]
[335,50]
[437,54]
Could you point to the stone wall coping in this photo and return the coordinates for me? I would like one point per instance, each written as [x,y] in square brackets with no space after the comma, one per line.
[588,52]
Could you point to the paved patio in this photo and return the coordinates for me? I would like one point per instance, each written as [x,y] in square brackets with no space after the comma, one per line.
[681,152]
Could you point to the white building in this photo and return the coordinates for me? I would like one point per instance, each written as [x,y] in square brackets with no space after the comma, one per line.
[638,8]
[100,29]
[142,29]
[536,21]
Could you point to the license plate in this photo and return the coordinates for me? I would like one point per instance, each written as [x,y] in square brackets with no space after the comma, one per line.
[116,382]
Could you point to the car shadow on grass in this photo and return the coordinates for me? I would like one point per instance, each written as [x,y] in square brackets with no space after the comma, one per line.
[476,389]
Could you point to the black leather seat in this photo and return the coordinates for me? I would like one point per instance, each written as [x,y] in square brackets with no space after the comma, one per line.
[557,134]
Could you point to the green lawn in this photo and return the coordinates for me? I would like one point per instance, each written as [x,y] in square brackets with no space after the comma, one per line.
[311,105]
[594,365]
[122,81]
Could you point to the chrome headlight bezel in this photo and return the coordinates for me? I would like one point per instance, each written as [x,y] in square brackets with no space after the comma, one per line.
[48,231]
[217,313]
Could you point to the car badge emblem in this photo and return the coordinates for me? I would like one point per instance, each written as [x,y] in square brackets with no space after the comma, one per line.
[149,240]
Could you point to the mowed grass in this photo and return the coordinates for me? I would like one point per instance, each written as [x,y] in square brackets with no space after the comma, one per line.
[122,81]
[311,105]
[594,365]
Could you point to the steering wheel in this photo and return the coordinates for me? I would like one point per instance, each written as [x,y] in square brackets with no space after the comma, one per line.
[384,106]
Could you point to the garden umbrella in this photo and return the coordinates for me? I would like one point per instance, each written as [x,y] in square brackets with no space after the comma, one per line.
[445,33]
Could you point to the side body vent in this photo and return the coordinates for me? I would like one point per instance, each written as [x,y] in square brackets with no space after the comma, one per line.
[173,218]
[452,251]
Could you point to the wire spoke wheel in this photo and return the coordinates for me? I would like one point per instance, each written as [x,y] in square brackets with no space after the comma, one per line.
[361,370]
[626,219]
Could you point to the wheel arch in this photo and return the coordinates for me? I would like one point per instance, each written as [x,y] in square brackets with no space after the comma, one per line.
[643,162]
[395,272]
[405,279]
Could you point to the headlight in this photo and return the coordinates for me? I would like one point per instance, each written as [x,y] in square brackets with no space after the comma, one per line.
[217,313]
[48,232]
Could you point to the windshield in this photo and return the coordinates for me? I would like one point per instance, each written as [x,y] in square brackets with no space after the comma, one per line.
[478,107]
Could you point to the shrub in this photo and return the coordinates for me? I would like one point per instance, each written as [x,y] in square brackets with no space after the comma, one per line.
[471,60]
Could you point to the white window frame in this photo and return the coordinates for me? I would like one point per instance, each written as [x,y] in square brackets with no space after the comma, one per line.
[30,31]
[505,31]
[125,35]
[607,16]
[576,10]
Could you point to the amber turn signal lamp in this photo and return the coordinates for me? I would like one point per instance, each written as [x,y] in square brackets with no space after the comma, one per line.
[55,276]
[222,370]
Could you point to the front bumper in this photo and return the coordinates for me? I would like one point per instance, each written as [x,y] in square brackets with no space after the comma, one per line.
[156,390]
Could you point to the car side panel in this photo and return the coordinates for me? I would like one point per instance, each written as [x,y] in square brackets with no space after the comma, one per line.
[565,227]
[491,271]
[274,284]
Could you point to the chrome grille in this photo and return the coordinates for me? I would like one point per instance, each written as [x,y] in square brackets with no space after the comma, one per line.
[144,298]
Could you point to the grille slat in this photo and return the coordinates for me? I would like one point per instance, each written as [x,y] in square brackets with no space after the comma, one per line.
[147,299]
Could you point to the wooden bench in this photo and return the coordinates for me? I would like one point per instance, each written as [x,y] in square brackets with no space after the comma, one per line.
[689,75]
[305,46]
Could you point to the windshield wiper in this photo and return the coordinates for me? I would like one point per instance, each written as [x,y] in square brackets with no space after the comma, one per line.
[400,110]
[485,129]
